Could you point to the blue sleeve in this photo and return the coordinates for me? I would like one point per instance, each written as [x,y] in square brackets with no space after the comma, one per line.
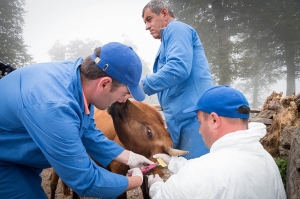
[55,128]
[174,63]
[99,146]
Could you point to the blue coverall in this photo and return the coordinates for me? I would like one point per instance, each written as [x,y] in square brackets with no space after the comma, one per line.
[42,125]
[180,75]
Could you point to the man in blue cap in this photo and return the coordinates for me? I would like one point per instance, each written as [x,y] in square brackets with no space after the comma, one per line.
[237,166]
[46,120]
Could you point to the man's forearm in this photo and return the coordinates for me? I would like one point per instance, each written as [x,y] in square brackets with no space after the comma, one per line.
[123,157]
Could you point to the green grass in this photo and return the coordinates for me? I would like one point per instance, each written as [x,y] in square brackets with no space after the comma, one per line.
[282,165]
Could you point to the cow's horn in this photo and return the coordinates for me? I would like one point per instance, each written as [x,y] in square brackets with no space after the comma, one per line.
[176,152]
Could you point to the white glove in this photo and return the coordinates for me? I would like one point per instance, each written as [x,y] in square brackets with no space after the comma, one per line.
[154,179]
[136,160]
[166,158]
[135,172]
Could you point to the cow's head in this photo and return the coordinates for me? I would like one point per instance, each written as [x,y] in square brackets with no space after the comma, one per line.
[141,129]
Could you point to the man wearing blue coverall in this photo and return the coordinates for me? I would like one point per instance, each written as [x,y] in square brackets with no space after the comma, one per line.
[46,120]
[180,75]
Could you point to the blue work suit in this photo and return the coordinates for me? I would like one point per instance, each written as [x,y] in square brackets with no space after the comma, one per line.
[180,75]
[43,124]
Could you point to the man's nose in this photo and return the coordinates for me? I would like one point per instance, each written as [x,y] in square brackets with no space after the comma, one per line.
[147,26]
[122,99]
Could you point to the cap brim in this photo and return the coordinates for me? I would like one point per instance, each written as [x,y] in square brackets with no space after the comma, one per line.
[191,109]
[137,92]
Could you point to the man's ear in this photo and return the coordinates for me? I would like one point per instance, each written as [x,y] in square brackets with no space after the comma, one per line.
[104,83]
[164,12]
[215,120]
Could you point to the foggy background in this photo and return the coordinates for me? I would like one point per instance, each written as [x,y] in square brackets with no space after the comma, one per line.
[48,21]
[251,45]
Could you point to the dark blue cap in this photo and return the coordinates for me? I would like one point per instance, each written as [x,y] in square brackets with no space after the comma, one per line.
[123,64]
[222,100]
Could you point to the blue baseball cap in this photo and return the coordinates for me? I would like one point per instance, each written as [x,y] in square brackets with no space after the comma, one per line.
[123,64]
[222,100]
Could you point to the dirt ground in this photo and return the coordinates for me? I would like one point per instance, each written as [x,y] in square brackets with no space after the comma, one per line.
[133,194]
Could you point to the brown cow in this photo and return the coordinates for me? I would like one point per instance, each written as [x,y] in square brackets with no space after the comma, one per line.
[137,127]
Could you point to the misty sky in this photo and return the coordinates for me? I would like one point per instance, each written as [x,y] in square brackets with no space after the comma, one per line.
[47,21]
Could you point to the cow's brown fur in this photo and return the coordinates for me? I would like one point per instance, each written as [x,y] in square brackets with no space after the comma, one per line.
[139,127]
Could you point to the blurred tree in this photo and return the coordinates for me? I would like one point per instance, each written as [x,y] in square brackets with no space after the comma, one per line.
[220,11]
[57,52]
[78,48]
[286,32]
[72,50]
[257,61]
[253,42]
[210,19]
[271,29]
[12,48]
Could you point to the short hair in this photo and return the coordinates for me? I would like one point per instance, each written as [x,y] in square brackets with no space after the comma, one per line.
[91,71]
[231,120]
[157,5]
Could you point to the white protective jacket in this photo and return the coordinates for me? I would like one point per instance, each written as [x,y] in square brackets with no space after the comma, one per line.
[237,167]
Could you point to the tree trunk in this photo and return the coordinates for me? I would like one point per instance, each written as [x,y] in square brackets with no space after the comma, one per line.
[255,91]
[293,171]
[290,68]
[224,44]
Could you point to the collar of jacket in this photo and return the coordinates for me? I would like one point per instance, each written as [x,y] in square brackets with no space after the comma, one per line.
[162,29]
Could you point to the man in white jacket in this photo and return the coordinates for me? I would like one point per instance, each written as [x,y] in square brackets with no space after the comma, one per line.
[237,167]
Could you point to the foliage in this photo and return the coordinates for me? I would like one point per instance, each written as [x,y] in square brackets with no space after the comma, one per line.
[79,48]
[57,52]
[253,42]
[282,165]
[12,48]
[72,50]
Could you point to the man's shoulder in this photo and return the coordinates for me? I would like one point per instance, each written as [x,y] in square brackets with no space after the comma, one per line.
[176,23]
[175,26]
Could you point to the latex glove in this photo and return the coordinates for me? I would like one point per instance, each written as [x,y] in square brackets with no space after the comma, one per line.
[137,160]
[154,179]
[166,158]
[135,172]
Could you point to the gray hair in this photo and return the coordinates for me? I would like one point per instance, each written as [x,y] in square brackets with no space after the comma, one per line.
[157,5]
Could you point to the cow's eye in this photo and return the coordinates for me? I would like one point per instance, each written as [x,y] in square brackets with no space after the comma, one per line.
[149,133]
